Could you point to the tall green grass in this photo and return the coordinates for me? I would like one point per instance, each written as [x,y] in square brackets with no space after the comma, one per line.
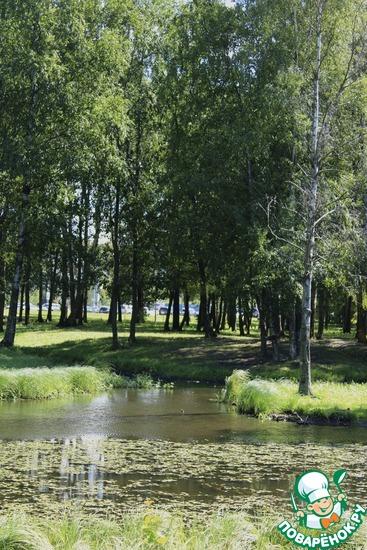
[45,383]
[149,531]
[331,400]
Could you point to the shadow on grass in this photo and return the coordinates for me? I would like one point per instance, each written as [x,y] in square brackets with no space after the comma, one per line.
[177,356]
[164,357]
[333,360]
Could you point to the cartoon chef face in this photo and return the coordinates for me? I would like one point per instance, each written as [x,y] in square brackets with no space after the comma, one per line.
[322,507]
[313,487]
[322,510]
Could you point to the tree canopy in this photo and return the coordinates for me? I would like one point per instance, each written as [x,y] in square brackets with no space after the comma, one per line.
[186,151]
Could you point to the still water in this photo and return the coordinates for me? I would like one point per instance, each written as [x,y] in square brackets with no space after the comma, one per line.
[180,449]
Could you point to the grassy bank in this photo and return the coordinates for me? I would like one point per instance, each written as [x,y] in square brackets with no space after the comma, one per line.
[331,400]
[148,531]
[46,383]
[177,356]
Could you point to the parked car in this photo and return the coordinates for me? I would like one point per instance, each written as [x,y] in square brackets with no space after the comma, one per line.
[255,312]
[54,307]
[163,310]
[126,308]
[194,309]
[104,309]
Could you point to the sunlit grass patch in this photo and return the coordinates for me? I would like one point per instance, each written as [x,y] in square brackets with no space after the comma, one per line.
[45,383]
[330,400]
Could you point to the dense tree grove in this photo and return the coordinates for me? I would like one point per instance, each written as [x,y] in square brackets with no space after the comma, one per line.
[186,151]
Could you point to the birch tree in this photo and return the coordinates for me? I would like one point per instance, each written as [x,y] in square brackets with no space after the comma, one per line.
[335,36]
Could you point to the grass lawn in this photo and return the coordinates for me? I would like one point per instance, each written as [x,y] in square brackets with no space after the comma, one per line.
[177,356]
[169,356]
[331,400]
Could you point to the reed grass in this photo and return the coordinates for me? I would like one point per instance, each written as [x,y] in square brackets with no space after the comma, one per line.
[330,400]
[48,383]
[149,531]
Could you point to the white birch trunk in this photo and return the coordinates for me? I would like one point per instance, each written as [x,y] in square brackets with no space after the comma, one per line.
[305,386]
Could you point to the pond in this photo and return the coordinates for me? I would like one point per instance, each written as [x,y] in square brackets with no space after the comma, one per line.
[181,449]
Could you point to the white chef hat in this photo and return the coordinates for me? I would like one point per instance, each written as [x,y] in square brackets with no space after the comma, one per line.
[312,486]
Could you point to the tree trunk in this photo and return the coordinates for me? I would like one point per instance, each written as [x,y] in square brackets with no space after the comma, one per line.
[27,291]
[186,317]
[347,315]
[115,336]
[274,326]
[40,297]
[85,307]
[321,291]
[313,306]
[213,311]
[119,309]
[305,385]
[168,314]
[292,332]
[141,315]
[70,264]
[2,293]
[21,304]
[77,287]
[134,292]
[109,318]
[50,302]
[202,307]
[305,349]
[240,317]
[248,325]
[231,314]
[262,325]
[224,316]
[220,315]
[361,317]
[116,270]
[52,288]
[64,290]
[176,310]
[208,330]
[9,336]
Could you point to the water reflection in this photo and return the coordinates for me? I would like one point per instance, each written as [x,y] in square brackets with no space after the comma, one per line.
[111,453]
[116,475]
[186,414]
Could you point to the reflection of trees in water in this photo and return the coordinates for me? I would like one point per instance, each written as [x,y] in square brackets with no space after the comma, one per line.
[82,480]
[109,475]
